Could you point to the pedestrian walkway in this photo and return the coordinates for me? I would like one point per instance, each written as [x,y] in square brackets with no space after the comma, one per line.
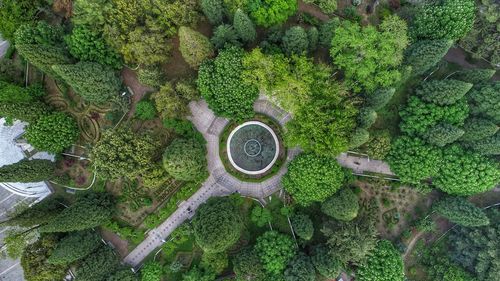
[221,183]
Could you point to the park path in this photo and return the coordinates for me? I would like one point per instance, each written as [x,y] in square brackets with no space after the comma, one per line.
[221,183]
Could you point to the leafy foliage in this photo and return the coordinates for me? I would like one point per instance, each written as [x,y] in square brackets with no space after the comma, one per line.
[28,112]
[303,226]
[217,225]
[368,57]
[75,246]
[194,46]
[214,262]
[275,250]
[34,259]
[412,160]
[343,205]
[474,76]
[121,153]
[86,44]
[35,170]
[295,41]
[379,144]
[260,216]
[224,36]
[380,98]
[483,100]
[220,83]
[15,13]
[247,265]
[185,160]
[327,265]
[12,93]
[197,274]
[38,214]
[424,54]
[88,211]
[384,264]
[443,92]
[98,265]
[151,76]
[145,110]
[267,13]
[477,129]
[213,10]
[90,12]
[449,19]
[151,271]
[367,117]
[443,134]
[460,211]
[312,178]
[94,82]
[244,26]
[169,103]
[359,137]
[300,268]
[52,133]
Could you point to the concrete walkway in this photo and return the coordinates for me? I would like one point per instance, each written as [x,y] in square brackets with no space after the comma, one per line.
[221,183]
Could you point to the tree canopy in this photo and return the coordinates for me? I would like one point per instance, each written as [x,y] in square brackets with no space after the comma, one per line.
[185,160]
[271,12]
[343,205]
[34,259]
[35,170]
[460,211]
[52,133]
[384,263]
[75,246]
[275,250]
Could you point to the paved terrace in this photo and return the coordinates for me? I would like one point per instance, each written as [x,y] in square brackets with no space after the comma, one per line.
[221,183]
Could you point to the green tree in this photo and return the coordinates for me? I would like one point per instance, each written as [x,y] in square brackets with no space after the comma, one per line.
[313,38]
[217,225]
[145,110]
[312,178]
[460,211]
[383,264]
[474,76]
[272,12]
[424,54]
[213,10]
[359,137]
[484,99]
[75,246]
[121,153]
[95,83]
[478,128]
[151,76]
[197,274]
[185,160]
[123,275]
[35,170]
[247,265]
[16,241]
[413,160]
[487,146]
[98,265]
[38,214]
[33,261]
[380,98]
[295,41]
[449,19]
[326,31]
[343,205]
[151,271]
[244,26]
[86,44]
[368,57]
[194,46]
[260,216]
[52,133]
[12,93]
[90,12]
[221,84]
[443,92]
[15,13]
[326,264]
[224,36]
[367,117]
[275,250]
[169,103]
[379,145]
[466,173]
[300,268]
[89,210]
[443,134]
[303,226]
[419,116]
[28,112]
[214,262]
[473,248]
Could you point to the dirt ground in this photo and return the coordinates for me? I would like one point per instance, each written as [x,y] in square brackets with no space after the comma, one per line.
[119,244]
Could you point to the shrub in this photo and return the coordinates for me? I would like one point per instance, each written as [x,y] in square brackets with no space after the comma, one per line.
[300,268]
[311,178]
[247,265]
[326,31]
[194,46]
[35,170]
[325,263]
[151,76]
[474,76]
[28,112]
[214,262]
[313,38]
[460,211]
[52,133]
[379,145]
[271,12]
[295,41]
[145,110]
[169,104]
[383,264]
[343,205]
[151,271]
[260,216]
[185,160]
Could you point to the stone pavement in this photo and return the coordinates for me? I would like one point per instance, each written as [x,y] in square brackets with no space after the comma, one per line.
[221,183]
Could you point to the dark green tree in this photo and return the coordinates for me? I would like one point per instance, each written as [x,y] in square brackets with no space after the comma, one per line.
[443,92]
[295,41]
[213,10]
[343,205]
[484,99]
[27,171]
[303,226]
[15,13]
[244,26]
[478,128]
[224,36]
[89,210]
[311,178]
[145,110]
[38,214]
[123,275]
[367,117]
[185,160]
[300,268]
[220,83]
[326,264]
[194,46]
[75,246]
[52,133]
[98,265]
[28,112]
[34,261]
[487,146]
[443,134]
[474,76]
[261,216]
[383,264]
[313,38]
[198,274]
[95,83]
[326,31]
[217,225]
[275,250]
[359,137]
[247,266]
[424,54]
[214,262]
[378,99]
[460,211]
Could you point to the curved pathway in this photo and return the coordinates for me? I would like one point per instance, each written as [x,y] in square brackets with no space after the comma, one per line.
[221,183]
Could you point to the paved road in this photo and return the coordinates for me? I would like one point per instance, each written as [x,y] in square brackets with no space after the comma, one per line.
[220,183]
